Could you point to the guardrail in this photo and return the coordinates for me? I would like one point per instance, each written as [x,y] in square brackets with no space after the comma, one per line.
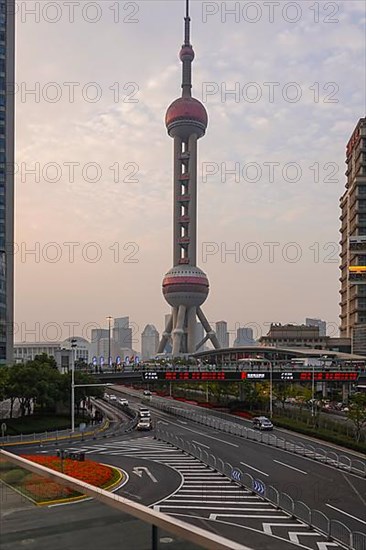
[331,528]
[157,520]
[56,435]
[343,462]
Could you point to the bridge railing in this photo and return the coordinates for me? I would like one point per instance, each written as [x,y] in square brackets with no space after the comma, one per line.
[154,523]
[330,528]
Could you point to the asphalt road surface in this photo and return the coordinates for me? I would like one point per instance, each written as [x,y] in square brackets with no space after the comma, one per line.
[175,483]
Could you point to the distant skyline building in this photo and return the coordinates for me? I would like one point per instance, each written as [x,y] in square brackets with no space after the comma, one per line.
[353,234]
[185,286]
[149,342]
[222,334]
[322,325]
[7,61]
[244,337]
[122,332]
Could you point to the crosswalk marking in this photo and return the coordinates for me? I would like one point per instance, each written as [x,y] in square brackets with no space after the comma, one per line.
[207,494]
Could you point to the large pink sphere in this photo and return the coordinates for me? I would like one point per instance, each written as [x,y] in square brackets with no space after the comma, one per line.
[185,285]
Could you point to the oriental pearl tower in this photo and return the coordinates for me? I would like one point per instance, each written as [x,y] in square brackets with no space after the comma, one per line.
[185,286]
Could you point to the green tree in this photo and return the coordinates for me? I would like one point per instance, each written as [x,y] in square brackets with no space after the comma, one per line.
[357,413]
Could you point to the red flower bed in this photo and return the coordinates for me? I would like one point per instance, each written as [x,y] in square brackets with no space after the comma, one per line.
[42,489]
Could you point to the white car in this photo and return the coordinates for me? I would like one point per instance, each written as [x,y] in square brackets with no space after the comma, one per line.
[113,397]
[144,413]
[144,424]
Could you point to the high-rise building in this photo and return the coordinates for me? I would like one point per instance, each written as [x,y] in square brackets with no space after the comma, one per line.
[7,57]
[149,342]
[122,332]
[200,335]
[185,286]
[322,325]
[244,337]
[353,234]
[222,334]
[98,335]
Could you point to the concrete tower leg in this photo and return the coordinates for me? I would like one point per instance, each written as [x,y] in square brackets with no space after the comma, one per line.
[202,342]
[206,325]
[178,330]
[166,335]
[191,332]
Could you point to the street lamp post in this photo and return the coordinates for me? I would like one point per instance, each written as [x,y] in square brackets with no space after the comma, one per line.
[313,392]
[109,319]
[73,346]
[271,390]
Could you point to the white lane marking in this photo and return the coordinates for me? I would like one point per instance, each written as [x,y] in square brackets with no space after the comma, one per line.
[249,466]
[182,422]
[346,513]
[267,527]
[325,545]
[199,443]
[355,490]
[294,536]
[214,516]
[237,509]
[208,501]
[292,467]
[207,436]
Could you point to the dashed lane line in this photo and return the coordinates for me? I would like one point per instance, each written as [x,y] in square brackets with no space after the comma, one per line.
[292,467]
[252,467]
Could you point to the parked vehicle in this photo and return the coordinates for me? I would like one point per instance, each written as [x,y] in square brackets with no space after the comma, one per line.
[262,423]
[112,397]
[147,392]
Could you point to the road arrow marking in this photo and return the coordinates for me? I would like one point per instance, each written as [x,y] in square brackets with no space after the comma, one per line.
[139,470]
[294,537]
[267,527]
[325,545]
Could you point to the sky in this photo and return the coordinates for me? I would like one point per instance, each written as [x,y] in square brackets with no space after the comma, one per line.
[284,87]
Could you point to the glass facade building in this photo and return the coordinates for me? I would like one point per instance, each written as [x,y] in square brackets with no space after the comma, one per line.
[7,57]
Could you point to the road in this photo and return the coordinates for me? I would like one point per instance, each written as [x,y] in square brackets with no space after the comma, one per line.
[171,482]
[175,483]
[339,495]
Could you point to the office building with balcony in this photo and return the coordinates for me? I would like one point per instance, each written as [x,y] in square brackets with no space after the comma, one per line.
[353,234]
[7,57]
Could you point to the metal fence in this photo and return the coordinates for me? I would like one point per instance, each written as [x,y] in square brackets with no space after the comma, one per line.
[331,528]
[56,435]
[157,520]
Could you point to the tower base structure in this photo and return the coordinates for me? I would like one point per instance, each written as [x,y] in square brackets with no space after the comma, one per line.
[185,288]
[181,327]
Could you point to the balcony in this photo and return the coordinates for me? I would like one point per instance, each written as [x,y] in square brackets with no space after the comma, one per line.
[183,240]
[184,198]
[186,219]
[184,156]
[184,177]
[183,261]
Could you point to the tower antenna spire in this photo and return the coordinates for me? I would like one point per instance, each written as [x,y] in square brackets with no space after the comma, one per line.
[187,21]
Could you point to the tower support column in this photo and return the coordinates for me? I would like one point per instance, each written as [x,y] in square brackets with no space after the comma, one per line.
[178,330]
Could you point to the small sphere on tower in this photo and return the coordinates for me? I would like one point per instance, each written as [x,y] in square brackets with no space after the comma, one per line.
[186,53]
